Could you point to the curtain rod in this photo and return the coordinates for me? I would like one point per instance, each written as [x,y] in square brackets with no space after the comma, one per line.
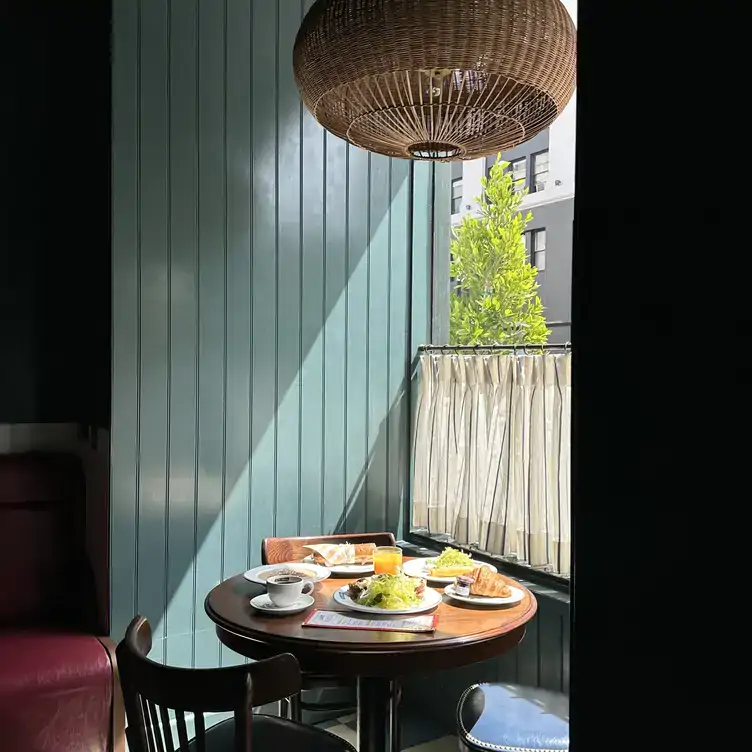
[475,348]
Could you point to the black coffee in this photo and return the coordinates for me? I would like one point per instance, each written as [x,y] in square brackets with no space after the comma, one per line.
[286,580]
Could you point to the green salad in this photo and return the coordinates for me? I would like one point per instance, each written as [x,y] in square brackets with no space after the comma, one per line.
[391,591]
[450,558]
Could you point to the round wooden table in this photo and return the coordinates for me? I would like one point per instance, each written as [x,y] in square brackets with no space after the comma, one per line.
[378,660]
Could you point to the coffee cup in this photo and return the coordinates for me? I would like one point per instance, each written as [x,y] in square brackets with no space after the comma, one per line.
[285,589]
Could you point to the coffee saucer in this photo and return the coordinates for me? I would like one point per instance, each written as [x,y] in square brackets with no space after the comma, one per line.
[264,603]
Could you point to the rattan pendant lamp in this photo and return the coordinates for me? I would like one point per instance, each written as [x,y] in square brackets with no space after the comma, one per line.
[436,79]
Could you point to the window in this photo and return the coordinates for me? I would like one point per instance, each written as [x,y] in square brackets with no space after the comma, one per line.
[540,172]
[456,195]
[518,168]
[480,307]
[538,247]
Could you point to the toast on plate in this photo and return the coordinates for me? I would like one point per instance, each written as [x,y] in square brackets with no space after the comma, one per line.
[450,571]
[336,554]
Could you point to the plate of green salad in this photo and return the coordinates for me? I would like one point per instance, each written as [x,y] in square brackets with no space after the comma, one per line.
[448,565]
[393,593]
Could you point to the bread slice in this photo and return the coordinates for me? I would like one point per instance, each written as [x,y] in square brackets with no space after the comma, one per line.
[489,584]
[335,554]
[451,571]
[364,553]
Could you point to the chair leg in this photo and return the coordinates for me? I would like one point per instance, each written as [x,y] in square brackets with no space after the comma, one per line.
[396,728]
[296,710]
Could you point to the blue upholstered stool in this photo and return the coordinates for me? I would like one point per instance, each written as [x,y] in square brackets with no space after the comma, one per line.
[510,718]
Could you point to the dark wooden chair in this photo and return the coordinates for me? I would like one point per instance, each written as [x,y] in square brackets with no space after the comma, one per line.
[280,550]
[152,691]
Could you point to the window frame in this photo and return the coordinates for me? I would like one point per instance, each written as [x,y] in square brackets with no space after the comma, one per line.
[553,585]
[452,197]
[533,156]
[530,246]
[525,183]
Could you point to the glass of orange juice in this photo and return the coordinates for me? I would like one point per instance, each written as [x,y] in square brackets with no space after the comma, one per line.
[387,560]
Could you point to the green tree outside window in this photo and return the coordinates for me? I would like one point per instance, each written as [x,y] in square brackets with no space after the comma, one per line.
[495,299]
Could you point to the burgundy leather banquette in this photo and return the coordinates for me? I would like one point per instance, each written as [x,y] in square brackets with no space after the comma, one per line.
[56,676]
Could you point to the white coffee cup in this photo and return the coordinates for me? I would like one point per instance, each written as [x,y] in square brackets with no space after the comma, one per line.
[285,589]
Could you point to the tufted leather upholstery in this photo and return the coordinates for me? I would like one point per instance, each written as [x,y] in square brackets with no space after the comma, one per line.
[511,718]
[270,732]
[56,678]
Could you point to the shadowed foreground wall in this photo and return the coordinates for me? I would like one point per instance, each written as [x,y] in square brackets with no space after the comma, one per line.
[263,312]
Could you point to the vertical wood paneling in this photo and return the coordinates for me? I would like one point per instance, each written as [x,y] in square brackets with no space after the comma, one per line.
[264,312]
[377,334]
[124,449]
[335,333]
[238,274]
[211,305]
[312,321]
[264,291]
[357,296]
[179,619]
[528,654]
[550,642]
[289,292]
[398,361]
[154,313]
[421,262]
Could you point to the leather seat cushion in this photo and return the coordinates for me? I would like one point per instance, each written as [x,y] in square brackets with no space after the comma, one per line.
[269,732]
[55,691]
[507,716]
[42,541]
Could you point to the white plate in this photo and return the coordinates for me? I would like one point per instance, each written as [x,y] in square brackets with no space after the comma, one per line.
[482,600]
[264,603]
[431,599]
[352,570]
[259,574]
[419,568]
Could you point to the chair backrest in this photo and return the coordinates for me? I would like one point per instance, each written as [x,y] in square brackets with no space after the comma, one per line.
[279,550]
[151,691]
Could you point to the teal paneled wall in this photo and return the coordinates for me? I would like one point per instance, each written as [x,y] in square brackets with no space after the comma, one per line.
[264,318]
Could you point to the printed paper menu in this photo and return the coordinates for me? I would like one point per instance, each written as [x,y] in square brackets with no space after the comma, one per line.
[338,620]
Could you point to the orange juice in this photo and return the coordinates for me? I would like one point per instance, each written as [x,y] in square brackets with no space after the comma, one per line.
[387,560]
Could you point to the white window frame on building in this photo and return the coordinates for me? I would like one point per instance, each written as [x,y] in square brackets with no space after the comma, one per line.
[526,241]
[540,164]
[537,248]
[518,168]
[456,198]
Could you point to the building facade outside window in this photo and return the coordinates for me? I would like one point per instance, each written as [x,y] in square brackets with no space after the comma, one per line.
[456,195]
[540,172]
[538,246]
[518,168]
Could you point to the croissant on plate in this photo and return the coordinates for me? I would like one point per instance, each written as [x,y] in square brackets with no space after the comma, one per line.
[490,584]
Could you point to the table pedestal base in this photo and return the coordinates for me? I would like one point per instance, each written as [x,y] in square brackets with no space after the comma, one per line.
[378,715]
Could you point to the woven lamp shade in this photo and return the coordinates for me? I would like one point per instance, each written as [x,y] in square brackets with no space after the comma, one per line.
[436,79]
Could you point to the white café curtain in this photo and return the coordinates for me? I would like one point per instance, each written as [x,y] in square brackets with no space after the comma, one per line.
[492,453]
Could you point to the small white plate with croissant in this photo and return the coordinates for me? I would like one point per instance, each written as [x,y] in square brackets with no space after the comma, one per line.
[488,589]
